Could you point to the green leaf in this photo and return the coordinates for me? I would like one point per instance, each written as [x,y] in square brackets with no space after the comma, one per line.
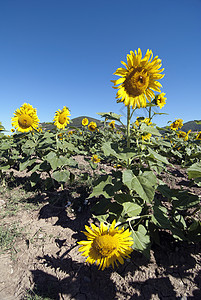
[111,149]
[99,186]
[184,200]
[131,209]
[194,171]
[61,176]
[194,231]
[157,156]
[159,216]
[101,207]
[26,163]
[55,161]
[141,241]
[143,185]
[34,179]
[110,116]
[122,198]
[149,129]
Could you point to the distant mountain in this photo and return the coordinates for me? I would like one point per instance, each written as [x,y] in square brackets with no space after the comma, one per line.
[191,125]
[76,122]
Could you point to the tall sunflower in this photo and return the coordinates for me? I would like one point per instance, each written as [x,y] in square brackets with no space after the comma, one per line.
[25,118]
[61,119]
[138,79]
[105,246]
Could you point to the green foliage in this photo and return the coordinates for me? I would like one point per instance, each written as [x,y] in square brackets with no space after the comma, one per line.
[132,193]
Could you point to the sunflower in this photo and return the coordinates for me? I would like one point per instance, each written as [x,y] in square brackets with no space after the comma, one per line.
[112,124]
[85,122]
[61,118]
[146,121]
[95,159]
[105,246]
[146,136]
[161,100]
[138,79]
[184,135]
[198,136]
[12,130]
[92,126]
[137,122]
[25,118]
[176,124]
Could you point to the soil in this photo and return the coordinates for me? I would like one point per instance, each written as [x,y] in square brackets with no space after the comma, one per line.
[46,261]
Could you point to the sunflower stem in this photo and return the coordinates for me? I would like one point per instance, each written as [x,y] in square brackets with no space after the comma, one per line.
[150,117]
[128,130]
[132,219]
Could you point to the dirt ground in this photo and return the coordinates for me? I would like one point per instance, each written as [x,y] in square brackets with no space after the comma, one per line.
[45,262]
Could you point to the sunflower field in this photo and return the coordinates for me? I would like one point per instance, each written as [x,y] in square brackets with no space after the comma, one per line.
[126,163]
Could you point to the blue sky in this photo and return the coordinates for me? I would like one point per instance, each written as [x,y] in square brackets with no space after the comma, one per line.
[60,52]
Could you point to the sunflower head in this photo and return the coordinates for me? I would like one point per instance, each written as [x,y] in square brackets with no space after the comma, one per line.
[138,79]
[181,134]
[92,126]
[25,118]
[85,122]
[95,159]
[146,121]
[61,119]
[198,136]
[146,136]
[106,245]
[112,124]
[176,124]
[160,100]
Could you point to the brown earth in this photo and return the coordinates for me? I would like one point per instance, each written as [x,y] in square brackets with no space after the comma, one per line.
[46,261]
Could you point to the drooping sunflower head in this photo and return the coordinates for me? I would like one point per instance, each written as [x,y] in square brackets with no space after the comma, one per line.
[112,124]
[92,126]
[85,122]
[176,124]
[146,136]
[25,118]
[61,119]
[146,121]
[139,79]
[198,136]
[181,134]
[106,245]
[95,159]
[161,100]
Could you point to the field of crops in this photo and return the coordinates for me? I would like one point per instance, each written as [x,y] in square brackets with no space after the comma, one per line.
[109,211]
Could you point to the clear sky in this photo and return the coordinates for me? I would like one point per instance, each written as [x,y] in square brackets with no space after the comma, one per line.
[64,52]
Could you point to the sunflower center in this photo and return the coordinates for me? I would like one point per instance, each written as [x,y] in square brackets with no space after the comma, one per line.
[136,82]
[25,121]
[106,244]
[62,118]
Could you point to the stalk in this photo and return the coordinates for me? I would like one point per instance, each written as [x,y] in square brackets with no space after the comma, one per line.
[128,131]
[128,126]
